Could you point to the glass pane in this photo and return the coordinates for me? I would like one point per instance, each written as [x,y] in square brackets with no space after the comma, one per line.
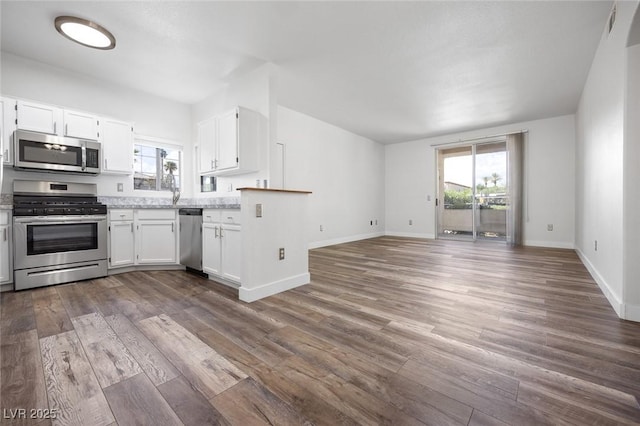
[43,239]
[491,191]
[455,186]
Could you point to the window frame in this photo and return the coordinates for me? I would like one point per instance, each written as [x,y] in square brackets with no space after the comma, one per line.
[159,143]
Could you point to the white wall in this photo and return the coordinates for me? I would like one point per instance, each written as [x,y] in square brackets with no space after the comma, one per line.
[631,187]
[549,182]
[599,160]
[153,116]
[344,171]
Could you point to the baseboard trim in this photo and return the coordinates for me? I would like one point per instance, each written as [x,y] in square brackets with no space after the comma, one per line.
[6,287]
[411,235]
[632,312]
[613,299]
[269,289]
[342,240]
[550,244]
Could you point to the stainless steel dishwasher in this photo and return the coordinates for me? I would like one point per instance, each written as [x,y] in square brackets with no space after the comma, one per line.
[191,238]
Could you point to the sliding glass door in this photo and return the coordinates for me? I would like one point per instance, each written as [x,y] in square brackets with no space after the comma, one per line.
[473,191]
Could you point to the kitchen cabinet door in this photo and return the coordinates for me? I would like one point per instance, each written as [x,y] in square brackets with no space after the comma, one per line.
[211,260]
[241,138]
[39,117]
[121,244]
[207,139]
[8,123]
[80,125]
[5,254]
[227,141]
[231,252]
[157,241]
[117,146]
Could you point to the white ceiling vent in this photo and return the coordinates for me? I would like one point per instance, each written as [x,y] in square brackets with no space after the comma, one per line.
[612,17]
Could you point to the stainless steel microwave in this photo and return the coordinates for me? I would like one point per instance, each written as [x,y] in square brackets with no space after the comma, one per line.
[39,151]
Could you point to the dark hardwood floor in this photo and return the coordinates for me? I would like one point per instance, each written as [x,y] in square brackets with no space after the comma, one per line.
[390,331]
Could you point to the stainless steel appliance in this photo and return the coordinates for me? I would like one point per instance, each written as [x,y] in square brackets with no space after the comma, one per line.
[191,238]
[39,151]
[59,233]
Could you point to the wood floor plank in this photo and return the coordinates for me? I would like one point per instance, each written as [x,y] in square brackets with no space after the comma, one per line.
[250,402]
[16,313]
[21,373]
[245,334]
[123,300]
[51,316]
[205,369]
[135,401]
[189,404]
[345,397]
[111,360]
[158,368]
[72,387]
[76,299]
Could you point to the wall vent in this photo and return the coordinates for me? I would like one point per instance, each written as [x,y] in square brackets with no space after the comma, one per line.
[612,18]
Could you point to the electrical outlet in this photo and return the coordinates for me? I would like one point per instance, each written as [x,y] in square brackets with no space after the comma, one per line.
[410,221]
[281,253]
[321,228]
[258,210]
[550,227]
[120,187]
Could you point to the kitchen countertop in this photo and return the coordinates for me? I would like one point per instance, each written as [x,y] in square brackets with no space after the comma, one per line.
[164,203]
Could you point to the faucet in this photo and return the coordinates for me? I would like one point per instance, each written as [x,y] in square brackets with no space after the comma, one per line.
[174,189]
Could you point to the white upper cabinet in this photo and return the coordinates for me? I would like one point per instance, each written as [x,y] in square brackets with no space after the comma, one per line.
[39,117]
[228,155]
[207,136]
[8,123]
[229,144]
[117,146]
[80,125]
[50,119]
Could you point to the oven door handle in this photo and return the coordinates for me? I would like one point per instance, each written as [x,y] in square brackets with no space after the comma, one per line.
[84,157]
[57,220]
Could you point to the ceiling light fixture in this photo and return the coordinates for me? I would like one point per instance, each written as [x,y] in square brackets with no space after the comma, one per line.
[85,32]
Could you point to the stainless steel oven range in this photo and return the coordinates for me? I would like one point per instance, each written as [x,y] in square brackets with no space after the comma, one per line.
[59,233]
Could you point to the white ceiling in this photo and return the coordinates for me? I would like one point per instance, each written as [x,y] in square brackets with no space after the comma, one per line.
[391,71]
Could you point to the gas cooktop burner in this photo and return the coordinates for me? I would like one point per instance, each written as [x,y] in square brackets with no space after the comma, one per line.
[31,198]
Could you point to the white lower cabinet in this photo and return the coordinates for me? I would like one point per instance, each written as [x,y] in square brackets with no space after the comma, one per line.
[156,241]
[222,244]
[142,237]
[6,266]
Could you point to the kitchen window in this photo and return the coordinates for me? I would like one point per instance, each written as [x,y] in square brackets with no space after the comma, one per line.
[157,166]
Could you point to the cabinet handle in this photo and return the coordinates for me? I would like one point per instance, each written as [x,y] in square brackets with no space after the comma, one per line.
[132,227]
[171,226]
[105,164]
[212,166]
[55,127]
[5,234]
[221,232]
[66,130]
[215,228]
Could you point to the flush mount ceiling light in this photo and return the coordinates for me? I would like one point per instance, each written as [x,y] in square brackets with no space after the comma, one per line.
[85,32]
